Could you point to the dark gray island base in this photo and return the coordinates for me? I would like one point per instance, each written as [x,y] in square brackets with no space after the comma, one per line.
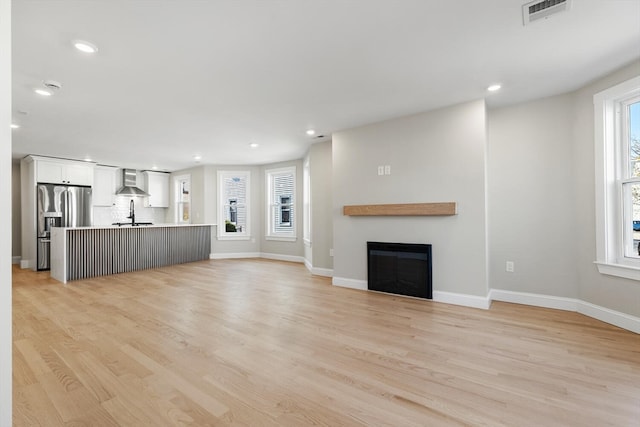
[80,253]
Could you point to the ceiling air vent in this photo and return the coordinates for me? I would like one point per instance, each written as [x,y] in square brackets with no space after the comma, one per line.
[542,9]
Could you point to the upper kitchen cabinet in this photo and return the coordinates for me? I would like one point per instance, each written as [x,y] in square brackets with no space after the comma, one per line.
[157,185]
[69,172]
[104,185]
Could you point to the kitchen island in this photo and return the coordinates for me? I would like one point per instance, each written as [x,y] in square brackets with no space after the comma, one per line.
[83,252]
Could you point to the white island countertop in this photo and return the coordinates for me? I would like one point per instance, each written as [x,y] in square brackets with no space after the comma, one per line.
[102,227]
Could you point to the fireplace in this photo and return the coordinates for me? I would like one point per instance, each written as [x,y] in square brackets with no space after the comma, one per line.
[400,268]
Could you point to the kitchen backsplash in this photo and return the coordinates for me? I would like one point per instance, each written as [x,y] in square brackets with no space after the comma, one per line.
[107,215]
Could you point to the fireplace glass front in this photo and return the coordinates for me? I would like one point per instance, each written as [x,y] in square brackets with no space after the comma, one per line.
[400,268]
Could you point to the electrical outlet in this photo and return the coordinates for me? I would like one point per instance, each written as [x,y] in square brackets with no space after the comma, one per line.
[387,170]
[510,266]
[331,252]
[380,170]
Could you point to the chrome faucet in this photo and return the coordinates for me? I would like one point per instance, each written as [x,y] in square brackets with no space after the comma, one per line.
[132,213]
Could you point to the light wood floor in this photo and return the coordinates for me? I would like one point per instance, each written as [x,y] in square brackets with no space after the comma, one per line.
[264,343]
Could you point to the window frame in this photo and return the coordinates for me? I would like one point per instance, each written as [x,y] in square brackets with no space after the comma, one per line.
[222,233]
[180,205]
[271,229]
[611,138]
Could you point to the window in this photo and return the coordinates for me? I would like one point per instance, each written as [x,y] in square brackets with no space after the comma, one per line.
[182,198]
[233,202]
[281,196]
[617,138]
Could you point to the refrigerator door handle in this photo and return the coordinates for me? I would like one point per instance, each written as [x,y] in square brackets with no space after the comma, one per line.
[66,208]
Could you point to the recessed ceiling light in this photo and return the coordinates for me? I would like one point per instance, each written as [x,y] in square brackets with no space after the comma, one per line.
[85,46]
[197,157]
[43,92]
[14,126]
[253,145]
[494,88]
[87,159]
[154,167]
[311,132]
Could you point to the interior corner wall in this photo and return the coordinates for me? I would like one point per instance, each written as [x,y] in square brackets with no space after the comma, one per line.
[532,218]
[320,171]
[541,199]
[614,293]
[437,156]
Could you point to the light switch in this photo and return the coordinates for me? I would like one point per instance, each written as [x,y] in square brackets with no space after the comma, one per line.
[387,170]
[380,170]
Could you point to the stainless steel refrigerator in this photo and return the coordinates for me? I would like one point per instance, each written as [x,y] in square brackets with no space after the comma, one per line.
[59,206]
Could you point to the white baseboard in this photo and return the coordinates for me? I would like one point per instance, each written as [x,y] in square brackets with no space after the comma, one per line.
[616,318]
[438,296]
[279,257]
[536,300]
[232,255]
[462,299]
[350,283]
[15,260]
[24,263]
[238,255]
[325,272]
[317,271]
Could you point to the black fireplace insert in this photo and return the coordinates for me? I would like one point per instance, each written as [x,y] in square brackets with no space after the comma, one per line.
[400,268]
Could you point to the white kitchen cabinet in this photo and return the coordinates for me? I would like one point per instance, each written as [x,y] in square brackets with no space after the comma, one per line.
[64,172]
[104,185]
[157,185]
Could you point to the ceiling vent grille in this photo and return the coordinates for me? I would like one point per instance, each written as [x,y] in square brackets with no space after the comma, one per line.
[542,9]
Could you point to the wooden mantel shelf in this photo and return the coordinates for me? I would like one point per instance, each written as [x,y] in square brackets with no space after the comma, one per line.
[404,209]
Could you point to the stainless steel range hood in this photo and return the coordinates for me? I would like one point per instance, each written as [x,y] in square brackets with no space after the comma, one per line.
[129,184]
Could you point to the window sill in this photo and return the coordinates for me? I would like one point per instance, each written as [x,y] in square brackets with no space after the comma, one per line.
[619,270]
[281,238]
[244,237]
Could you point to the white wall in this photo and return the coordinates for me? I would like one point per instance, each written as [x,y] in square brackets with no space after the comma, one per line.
[321,171]
[532,220]
[437,156]
[541,199]
[5,214]
[204,201]
[607,291]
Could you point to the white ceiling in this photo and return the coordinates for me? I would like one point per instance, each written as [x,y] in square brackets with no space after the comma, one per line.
[173,79]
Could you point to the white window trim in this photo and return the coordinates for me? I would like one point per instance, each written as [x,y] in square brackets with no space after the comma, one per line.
[222,233]
[290,236]
[177,202]
[610,258]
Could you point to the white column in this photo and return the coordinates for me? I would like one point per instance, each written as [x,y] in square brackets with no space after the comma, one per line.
[5,213]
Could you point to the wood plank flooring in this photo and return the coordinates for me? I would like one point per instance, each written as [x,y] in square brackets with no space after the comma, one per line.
[264,343]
